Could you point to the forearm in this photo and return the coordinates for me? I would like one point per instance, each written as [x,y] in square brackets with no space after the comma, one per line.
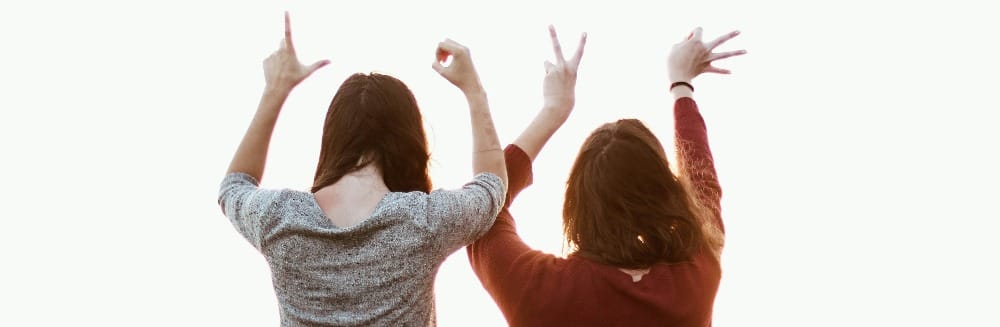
[251,155]
[695,159]
[541,129]
[487,155]
[691,136]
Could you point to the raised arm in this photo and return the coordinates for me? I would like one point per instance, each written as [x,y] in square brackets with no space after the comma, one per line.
[501,259]
[687,60]
[282,72]
[487,155]
[559,89]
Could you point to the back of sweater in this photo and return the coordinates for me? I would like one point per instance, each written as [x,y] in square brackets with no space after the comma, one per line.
[378,272]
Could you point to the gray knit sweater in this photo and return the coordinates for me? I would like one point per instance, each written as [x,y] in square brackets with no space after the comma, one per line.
[379,272]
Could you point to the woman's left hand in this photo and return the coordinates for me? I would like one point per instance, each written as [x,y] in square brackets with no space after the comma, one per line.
[461,72]
[692,57]
[282,69]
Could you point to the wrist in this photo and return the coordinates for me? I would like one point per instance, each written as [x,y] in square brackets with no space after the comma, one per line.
[473,87]
[675,79]
[474,94]
[277,90]
[556,113]
[681,84]
[681,91]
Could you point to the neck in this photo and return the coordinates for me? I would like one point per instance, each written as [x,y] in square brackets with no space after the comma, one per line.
[369,171]
[369,175]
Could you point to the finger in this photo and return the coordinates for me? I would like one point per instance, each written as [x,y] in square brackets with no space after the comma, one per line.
[288,31]
[722,39]
[549,67]
[556,46]
[438,67]
[317,65]
[724,55]
[452,47]
[441,55]
[579,51]
[695,34]
[717,70]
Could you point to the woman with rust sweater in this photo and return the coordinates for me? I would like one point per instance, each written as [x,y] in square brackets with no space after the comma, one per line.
[644,242]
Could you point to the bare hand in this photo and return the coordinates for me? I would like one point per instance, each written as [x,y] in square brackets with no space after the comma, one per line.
[461,72]
[282,69]
[559,86]
[692,57]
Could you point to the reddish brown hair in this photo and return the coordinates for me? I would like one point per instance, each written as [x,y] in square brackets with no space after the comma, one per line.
[624,207]
[374,119]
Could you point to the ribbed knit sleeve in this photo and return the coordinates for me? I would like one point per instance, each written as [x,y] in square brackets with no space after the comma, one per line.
[695,157]
[498,257]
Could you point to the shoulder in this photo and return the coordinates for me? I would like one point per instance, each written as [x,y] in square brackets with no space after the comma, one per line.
[546,266]
[419,203]
[286,203]
[287,197]
[403,204]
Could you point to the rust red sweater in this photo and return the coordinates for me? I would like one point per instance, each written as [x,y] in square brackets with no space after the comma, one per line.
[538,289]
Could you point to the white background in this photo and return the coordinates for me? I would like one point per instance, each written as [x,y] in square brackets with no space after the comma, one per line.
[856,144]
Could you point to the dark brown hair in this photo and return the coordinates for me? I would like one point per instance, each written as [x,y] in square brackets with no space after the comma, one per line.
[374,119]
[624,207]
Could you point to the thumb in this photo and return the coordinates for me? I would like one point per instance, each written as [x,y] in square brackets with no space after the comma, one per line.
[317,65]
[695,34]
[549,67]
[438,67]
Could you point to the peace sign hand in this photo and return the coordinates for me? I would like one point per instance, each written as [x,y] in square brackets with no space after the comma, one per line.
[282,69]
[559,85]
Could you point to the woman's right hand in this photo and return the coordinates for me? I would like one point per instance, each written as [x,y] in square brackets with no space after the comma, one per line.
[461,72]
[559,86]
[692,57]
[559,91]
[282,69]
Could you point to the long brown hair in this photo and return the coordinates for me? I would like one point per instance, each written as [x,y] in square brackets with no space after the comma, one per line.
[625,208]
[374,119]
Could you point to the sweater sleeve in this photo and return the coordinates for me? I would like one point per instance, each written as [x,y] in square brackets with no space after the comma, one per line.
[499,257]
[459,217]
[249,208]
[695,157]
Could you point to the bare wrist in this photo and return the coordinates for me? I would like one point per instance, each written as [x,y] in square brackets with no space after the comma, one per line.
[476,94]
[274,90]
[473,88]
[556,113]
[681,92]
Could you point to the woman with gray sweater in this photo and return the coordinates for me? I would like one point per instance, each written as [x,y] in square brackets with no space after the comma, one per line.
[364,245]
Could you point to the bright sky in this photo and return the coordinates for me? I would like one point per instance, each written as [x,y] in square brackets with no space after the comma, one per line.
[856,145]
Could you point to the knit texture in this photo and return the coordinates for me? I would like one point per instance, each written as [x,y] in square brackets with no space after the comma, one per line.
[533,288]
[379,272]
